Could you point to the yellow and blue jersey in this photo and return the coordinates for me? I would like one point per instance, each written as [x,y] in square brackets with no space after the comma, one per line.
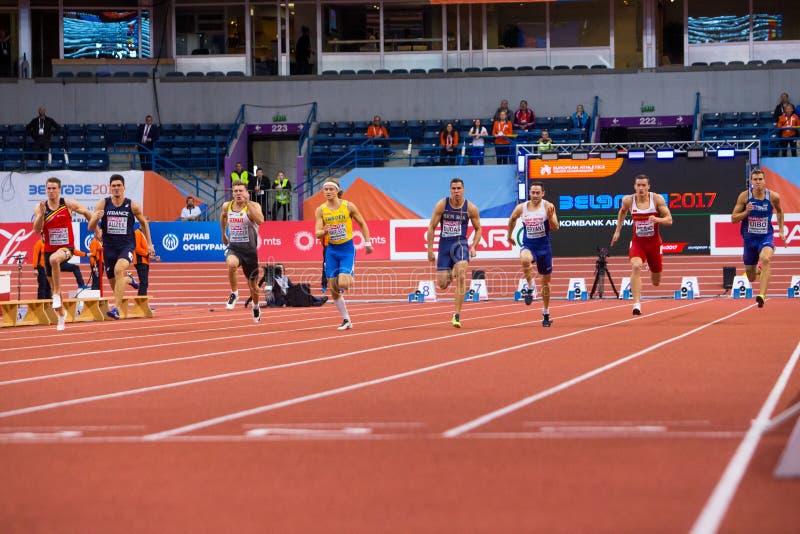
[340,225]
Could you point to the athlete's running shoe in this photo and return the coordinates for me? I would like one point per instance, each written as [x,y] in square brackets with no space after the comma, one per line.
[134,283]
[231,301]
[256,314]
[346,325]
[760,300]
[114,314]
[56,302]
[546,320]
[637,309]
[456,321]
[528,296]
[61,323]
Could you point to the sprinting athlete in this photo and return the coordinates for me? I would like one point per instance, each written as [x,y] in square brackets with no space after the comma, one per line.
[239,221]
[334,223]
[117,214]
[53,219]
[454,213]
[538,220]
[754,210]
[649,212]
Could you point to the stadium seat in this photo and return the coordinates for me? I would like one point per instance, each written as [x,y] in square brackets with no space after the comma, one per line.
[435,71]
[65,74]
[330,73]
[215,74]
[347,72]
[755,62]
[489,69]
[195,74]
[525,67]
[455,69]
[382,71]
[774,62]
[580,67]
[598,67]
[140,74]
[699,64]
[418,71]
[472,69]
[399,71]
[121,74]
[542,67]
[793,61]
[235,73]
[175,74]
[84,74]
[736,63]
[508,69]
[364,72]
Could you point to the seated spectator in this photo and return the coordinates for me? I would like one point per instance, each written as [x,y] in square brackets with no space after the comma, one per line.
[524,118]
[545,143]
[477,133]
[789,120]
[779,108]
[503,107]
[502,143]
[377,130]
[190,212]
[581,120]
[448,140]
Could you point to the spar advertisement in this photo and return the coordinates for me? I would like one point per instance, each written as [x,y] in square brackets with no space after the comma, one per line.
[726,238]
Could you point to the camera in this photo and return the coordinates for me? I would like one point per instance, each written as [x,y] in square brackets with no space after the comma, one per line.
[602,253]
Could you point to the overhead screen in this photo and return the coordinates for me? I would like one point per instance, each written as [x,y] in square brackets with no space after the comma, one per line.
[587,196]
[107,34]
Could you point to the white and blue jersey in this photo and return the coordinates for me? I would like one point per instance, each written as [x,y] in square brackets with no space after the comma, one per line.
[756,228]
[119,241]
[536,237]
[453,246]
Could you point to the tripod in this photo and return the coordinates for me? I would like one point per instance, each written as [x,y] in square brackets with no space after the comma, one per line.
[19,258]
[601,268]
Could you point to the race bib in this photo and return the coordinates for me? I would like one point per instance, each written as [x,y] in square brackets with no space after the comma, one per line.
[535,228]
[451,229]
[117,225]
[338,232]
[645,229]
[58,236]
[757,225]
[237,231]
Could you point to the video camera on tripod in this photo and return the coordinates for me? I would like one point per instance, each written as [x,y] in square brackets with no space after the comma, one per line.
[600,273]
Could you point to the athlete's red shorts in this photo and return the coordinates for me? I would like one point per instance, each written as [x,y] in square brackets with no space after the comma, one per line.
[650,252]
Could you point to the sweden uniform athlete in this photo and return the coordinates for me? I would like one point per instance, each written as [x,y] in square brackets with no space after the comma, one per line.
[53,219]
[649,212]
[334,224]
[538,220]
[754,210]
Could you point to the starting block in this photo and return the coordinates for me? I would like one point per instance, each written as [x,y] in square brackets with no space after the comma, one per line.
[742,289]
[794,289]
[416,296]
[472,296]
[577,289]
[684,294]
[625,289]
[427,290]
[690,288]
[523,284]
[479,288]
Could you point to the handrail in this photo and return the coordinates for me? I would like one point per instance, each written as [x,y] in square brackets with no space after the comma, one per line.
[310,119]
[696,114]
[595,111]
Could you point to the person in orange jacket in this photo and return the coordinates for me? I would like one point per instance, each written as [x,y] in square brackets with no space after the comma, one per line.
[43,290]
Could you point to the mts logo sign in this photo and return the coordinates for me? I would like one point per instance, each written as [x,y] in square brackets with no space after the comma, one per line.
[410,239]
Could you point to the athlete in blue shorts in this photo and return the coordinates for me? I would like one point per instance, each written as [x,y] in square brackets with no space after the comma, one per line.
[538,220]
[334,226]
[453,214]
[754,210]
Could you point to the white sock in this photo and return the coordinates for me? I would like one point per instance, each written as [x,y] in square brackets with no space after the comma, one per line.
[545,311]
[637,306]
[342,307]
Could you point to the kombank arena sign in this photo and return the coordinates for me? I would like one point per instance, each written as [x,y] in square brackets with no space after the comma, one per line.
[570,168]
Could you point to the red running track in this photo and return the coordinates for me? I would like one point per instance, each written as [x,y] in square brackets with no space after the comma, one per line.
[199,421]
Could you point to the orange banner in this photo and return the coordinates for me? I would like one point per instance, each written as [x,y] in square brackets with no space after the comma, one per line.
[570,168]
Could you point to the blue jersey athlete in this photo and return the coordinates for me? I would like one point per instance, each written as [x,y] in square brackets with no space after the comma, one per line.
[334,226]
[754,211]
[538,220]
[453,214]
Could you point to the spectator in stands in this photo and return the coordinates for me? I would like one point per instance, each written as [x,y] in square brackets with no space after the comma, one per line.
[5,55]
[581,121]
[789,120]
[190,212]
[377,130]
[41,130]
[545,143]
[524,118]
[448,139]
[502,144]
[261,186]
[503,107]
[477,133]
[779,108]
[302,52]
[240,174]
[146,135]
[283,196]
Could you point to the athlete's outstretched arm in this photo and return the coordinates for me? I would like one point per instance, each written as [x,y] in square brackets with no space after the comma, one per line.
[624,208]
[742,208]
[436,218]
[475,218]
[356,216]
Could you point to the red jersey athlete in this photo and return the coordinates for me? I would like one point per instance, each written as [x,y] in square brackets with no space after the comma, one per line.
[649,212]
[53,219]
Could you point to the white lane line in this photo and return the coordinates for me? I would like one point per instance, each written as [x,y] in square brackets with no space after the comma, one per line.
[93,398]
[360,385]
[782,417]
[669,423]
[272,346]
[487,418]
[714,511]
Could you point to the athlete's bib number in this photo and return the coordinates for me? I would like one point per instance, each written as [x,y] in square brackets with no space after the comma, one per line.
[117,225]
[451,229]
[645,229]
[237,229]
[58,236]
[534,228]
[338,232]
[757,225]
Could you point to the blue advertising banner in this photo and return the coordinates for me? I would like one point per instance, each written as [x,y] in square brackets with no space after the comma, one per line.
[178,241]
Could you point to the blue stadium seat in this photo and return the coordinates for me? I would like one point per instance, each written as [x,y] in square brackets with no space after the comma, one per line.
[472,69]
[140,74]
[121,74]
[84,74]
[195,74]
[561,67]
[65,74]
[348,72]
[399,71]
[542,67]
[435,71]
[175,74]
[580,67]
[382,71]
[235,73]
[365,72]
[215,74]
[525,67]
[418,71]
[455,69]
[755,63]
[598,67]
[489,69]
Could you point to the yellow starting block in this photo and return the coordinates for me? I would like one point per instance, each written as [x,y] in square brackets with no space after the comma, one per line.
[37,312]
[139,307]
[94,309]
